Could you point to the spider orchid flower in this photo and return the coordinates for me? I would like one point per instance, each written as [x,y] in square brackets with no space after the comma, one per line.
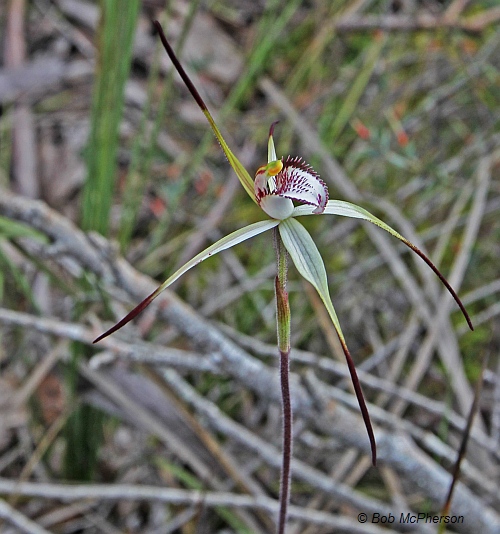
[281,181]
[276,186]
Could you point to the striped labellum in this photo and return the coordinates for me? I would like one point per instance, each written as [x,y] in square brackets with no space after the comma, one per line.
[281,181]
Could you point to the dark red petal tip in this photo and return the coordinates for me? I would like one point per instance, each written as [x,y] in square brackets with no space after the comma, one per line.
[361,401]
[180,69]
[443,280]
[271,129]
[131,315]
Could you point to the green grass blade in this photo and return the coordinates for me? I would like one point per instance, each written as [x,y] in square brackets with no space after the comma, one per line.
[115,38]
[351,100]
[145,144]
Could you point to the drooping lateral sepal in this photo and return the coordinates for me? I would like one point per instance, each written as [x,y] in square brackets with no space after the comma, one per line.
[309,263]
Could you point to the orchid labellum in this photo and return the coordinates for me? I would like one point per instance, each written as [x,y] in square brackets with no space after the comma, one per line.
[278,185]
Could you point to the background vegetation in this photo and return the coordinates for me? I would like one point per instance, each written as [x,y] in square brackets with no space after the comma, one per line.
[395,104]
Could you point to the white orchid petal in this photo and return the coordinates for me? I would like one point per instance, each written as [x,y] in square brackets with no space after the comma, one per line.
[339,207]
[226,242]
[346,209]
[271,151]
[295,181]
[298,211]
[260,185]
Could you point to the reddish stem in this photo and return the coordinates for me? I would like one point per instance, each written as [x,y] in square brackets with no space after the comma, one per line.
[287,439]
[283,320]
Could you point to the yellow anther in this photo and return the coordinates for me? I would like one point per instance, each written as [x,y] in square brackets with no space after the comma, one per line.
[274,167]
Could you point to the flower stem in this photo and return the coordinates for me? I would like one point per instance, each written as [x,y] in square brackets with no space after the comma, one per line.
[287,440]
[283,324]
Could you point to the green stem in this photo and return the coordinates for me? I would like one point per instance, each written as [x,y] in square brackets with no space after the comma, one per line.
[283,322]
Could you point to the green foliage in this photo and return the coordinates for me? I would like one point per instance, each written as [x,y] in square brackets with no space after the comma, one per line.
[83,433]
[10,229]
[114,44]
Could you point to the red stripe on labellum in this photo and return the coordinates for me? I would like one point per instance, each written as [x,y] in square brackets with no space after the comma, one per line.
[299,163]
[299,181]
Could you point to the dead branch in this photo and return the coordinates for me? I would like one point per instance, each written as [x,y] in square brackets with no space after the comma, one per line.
[96,255]
[421,22]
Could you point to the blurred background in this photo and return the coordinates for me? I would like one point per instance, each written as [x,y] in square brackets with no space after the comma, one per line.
[111,179]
